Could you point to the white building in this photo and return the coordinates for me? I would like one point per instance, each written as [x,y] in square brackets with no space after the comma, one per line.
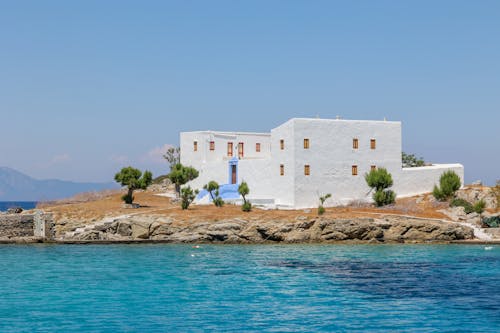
[305,158]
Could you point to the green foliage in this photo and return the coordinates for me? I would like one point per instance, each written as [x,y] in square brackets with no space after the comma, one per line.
[438,194]
[173,156]
[127,198]
[449,183]
[244,190]
[213,189]
[246,207]
[492,222]
[411,161]
[496,193]
[384,197]
[380,180]
[180,175]
[322,199]
[187,196]
[479,206]
[133,179]
[457,202]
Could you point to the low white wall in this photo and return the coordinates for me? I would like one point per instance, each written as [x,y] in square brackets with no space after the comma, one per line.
[414,181]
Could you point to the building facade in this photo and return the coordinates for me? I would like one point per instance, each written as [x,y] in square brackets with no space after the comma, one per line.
[302,159]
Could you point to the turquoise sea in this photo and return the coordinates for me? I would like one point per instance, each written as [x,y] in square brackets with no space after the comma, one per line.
[249,288]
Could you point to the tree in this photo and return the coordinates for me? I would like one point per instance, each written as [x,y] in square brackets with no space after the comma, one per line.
[187,196]
[243,190]
[380,180]
[134,180]
[180,175]
[410,160]
[173,156]
[322,199]
[449,183]
[213,189]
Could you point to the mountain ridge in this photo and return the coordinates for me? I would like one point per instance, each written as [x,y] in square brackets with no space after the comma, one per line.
[17,186]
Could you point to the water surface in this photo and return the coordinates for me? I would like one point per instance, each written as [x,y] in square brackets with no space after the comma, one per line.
[282,288]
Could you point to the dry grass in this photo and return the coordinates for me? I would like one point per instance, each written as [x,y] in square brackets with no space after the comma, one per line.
[111,205]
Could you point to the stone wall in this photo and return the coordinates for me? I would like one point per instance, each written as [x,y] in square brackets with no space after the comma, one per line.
[38,225]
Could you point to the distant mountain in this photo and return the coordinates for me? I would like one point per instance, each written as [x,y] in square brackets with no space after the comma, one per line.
[16,186]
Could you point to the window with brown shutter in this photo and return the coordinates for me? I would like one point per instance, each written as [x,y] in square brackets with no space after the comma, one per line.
[355,143]
[257,147]
[282,170]
[282,144]
[240,150]
[307,170]
[354,170]
[212,145]
[195,146]
[229,149]
[373,168]
[306,143]
[373,144]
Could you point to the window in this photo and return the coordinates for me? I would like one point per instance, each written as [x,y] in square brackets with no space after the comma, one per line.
[373,168]
[373,144]
[229,149]
[354,170]
[212,145]
[240,150]
[307,170]
[195,146]
[257,147]
[306,143]
[282,170]
[282,144]
[355,143]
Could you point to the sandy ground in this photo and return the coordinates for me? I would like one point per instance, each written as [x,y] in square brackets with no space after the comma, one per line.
[152,204]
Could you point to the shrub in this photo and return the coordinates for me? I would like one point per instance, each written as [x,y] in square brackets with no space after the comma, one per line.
[380,180]
[384,197]
[449,183]
[479,206]
[187,196]
[134,179]
[246,207]
[213,189]
[492,222]
[468,208]
[244,190]
[322,199]
[410,160]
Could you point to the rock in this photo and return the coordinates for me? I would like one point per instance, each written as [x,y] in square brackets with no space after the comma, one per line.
[477,183]
[474,194]
[140,229]
[124,228]
[14,210]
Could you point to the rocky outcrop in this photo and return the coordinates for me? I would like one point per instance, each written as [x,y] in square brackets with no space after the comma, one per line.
[301,230]
[474,194]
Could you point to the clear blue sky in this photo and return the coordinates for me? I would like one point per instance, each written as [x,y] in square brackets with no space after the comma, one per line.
[87,87]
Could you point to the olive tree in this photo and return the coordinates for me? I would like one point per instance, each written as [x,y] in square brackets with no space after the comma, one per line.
[243,190]
[213,189]
[180,175]
[133,179]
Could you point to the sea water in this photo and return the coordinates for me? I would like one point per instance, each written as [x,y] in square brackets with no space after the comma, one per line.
[4,205]
[255,288]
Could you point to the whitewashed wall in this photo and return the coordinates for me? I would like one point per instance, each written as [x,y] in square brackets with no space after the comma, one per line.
[282,188]
[413,181]
[331,157]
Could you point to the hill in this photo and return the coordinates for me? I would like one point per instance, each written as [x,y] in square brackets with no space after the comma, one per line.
[16,186]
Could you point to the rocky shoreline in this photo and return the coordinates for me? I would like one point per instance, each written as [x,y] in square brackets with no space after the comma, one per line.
[384,229]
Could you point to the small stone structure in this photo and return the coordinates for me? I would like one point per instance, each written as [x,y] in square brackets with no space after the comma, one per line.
[38,225]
